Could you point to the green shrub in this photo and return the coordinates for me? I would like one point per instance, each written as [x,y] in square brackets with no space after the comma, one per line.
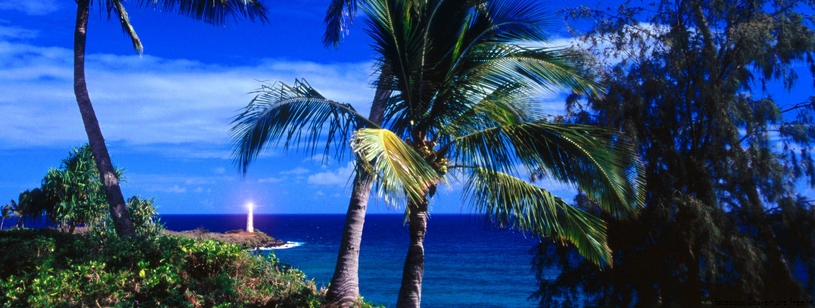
[46,268]
[143,214]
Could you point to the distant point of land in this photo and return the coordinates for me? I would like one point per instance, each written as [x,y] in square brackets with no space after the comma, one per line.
[245,239]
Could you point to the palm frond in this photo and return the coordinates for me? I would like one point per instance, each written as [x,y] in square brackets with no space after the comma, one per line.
[401,171]
[511,202]
[490,22]
[216,12]
[471,107]
[485,114]
[516,20]
[591,158]
[546,68]
[297,115]
[115,6]
[396,28]
[503,72]
[338,18]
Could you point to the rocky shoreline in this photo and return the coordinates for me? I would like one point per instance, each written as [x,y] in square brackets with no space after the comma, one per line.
[247,240]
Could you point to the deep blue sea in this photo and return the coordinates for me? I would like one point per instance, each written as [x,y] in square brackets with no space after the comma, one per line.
[468,263]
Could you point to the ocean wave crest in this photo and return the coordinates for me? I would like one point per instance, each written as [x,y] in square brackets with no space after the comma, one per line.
[287,245]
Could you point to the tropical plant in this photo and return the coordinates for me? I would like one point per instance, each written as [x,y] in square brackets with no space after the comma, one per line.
[344,288]
[15,210]
[30,205]
[7,212]
[74,192]
[462,102]
[145,219]
[723,218]
[214,12]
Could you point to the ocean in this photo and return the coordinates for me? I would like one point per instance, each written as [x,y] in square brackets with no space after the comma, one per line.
[468,263]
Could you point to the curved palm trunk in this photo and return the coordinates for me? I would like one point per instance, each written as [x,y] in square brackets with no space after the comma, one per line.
[410,293]
[113,193]
[344,288]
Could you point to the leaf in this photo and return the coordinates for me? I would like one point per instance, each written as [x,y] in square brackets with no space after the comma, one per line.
[295,115]
[400,170]
[588,157]
[511,202]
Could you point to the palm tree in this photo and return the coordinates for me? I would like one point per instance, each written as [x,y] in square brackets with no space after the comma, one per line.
[282,111]
[344,288]
[464,72]
[16,210]
[7,212]
[31,204]
[461,86]
[214,12]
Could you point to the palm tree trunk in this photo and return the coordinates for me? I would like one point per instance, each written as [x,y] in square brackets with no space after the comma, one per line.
[410,293]
[344,288]
[113,193]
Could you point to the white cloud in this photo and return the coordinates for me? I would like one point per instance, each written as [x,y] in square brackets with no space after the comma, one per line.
[148,101]
[270,180]
[17,33]
[321,158]
[174,189]
[336,177]
[295,171]
[30,7]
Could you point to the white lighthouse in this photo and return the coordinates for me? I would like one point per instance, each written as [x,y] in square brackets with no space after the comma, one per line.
[250,224]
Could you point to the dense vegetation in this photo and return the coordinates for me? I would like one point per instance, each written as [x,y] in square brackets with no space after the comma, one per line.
[724,219]
[49,268]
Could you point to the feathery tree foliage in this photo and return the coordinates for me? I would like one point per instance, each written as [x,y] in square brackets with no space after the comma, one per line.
[210,11]
[74,193]
[722,221]
[463,76]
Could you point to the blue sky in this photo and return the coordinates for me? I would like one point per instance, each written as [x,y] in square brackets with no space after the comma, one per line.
[166,115]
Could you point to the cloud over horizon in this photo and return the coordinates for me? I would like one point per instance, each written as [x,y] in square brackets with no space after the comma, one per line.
[37,8]
[148,100]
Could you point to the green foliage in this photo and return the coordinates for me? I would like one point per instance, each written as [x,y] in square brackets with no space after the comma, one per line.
[472,116]
[297,114]
[73,195]
[46,268]
[74,192]
[143,214]
[723,218]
